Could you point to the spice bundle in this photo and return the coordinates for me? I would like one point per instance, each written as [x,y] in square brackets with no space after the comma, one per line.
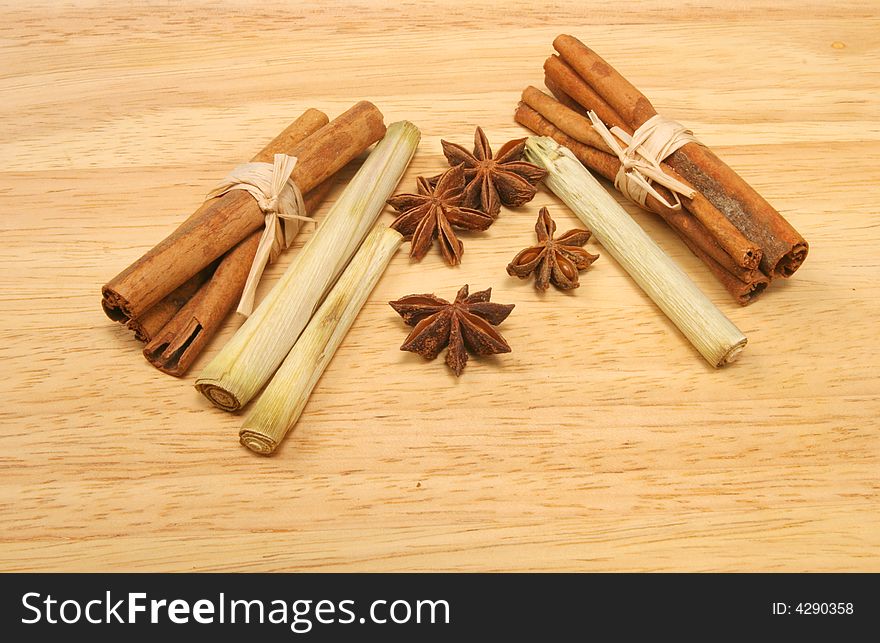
[176,345]
[176,296]
[717,339]
[615,131]
[257,349]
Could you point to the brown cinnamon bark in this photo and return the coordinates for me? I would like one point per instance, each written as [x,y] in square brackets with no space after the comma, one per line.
[601,162]
[151,322]
[182,339]
[169,264]
[784,249]
[744,292]
[154,319]
[692,230]
[568,80]
[556,89]
[744,284]
[568,120]
[221,223]
[177,345]
[743,252]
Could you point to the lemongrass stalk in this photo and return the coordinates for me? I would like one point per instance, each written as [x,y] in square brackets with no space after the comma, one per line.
[278,408]
[256,350]
[706,327]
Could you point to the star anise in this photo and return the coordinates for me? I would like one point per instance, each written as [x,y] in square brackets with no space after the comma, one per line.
[434,212]
[493,181]
[553,260]
[466,323]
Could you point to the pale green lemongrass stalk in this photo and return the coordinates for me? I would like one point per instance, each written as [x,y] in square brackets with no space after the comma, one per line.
[253,354]
[278,408]
[706,327]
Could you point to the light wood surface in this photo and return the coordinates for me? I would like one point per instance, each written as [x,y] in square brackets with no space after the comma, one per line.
[602,442]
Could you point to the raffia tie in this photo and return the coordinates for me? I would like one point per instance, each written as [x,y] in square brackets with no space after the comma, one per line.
[640,160]
[280,200]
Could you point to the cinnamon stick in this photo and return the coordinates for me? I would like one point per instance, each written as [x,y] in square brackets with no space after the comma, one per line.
[567,79]
[743,284]
[167,265]
[184,335]
[744,253]
[556,89]
[177,345]
[147,325]
[694,231]
[221,223]
[600,162]
[784,249]
[743,291]
[576,125]
[151,322]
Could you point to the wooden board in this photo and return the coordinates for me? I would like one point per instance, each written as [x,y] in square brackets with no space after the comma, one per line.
[603,442]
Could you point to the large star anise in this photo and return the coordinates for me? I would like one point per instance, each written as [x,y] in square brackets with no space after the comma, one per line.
[466,323]
[553,260]
[493,181]
[434,212]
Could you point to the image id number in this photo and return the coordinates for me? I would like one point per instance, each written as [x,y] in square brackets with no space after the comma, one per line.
[805,609]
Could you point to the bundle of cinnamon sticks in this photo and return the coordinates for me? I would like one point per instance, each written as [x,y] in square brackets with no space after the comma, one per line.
[743,240]
[177,295]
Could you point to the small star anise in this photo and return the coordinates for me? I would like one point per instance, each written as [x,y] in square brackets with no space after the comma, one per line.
[466,323]
[434,212]
[553,260]
[493,181]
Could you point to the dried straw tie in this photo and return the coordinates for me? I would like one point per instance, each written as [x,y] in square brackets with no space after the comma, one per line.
[280,200]
[657,138]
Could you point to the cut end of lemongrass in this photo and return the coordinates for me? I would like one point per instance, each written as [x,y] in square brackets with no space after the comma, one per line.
[733,354]
[257,442]
[277,410]
[251,357]
[219,396]
[717,339]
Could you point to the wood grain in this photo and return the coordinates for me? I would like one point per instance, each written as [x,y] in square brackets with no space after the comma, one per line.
[603,442]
